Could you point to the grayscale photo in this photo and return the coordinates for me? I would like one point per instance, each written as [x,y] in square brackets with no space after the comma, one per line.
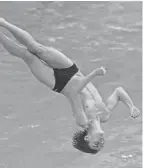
[70,84]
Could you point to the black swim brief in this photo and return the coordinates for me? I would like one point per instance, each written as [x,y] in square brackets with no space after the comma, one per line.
[62,76]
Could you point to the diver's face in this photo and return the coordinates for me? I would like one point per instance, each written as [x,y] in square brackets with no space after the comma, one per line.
[95,136]
[96,141]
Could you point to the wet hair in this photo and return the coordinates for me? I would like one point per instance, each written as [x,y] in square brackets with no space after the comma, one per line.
[81,144]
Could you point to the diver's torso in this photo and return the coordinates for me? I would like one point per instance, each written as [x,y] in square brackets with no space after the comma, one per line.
[88,100]
[93,105]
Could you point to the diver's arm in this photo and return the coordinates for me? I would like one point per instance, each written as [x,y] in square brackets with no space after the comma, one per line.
[88,78]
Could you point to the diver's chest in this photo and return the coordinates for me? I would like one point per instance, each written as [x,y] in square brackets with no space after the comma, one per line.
[94,106]
[89,104]
[88,101]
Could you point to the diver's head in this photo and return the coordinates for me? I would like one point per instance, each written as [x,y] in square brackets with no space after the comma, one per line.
[91,139]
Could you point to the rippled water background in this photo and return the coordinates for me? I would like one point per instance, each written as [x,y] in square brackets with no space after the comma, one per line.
[36,126]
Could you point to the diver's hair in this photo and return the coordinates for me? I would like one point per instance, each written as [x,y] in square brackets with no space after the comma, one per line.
[81,144]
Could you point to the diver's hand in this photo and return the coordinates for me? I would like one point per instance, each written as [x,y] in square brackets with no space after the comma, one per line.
[100,71]
[135,112]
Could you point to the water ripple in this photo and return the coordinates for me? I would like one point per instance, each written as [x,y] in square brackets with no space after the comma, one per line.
[124,29]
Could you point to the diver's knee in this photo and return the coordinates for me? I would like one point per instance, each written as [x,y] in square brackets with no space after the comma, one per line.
[36,49]
[29,58]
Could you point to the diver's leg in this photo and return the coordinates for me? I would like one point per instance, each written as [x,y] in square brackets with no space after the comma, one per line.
[51,56]
[121,95]
[39,70]
[22,36]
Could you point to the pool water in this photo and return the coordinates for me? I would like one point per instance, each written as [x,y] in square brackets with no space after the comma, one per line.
[36,125]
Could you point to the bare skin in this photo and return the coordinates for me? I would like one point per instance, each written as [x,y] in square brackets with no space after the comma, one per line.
[85,100]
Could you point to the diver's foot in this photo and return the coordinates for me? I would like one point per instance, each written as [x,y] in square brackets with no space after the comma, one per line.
[2,21]
[135,112]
